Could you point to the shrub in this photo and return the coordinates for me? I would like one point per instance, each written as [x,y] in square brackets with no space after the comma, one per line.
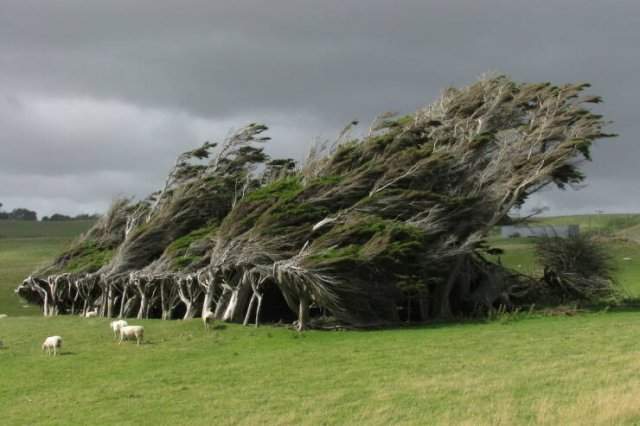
[576,268]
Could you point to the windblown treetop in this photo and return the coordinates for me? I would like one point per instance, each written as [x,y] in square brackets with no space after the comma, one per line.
[396,219]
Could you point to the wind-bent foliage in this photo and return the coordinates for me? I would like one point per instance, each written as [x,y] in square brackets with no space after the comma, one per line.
[369,231]
[576,268]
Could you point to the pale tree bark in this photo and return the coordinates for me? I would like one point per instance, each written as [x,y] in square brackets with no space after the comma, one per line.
[189,291]
[123,302]
[303,312]
[141,284]
[207,281]
[169,295]
[257,288]
[222,302]
[53,281]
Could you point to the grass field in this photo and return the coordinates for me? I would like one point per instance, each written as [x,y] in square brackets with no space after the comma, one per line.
[625,250]
[553,370]
[583,369]
[23,247]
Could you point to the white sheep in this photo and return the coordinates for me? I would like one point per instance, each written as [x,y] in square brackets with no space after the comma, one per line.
[116,326]
[52,343]
[91,314]
[129,331]
[3,316]
[207,318]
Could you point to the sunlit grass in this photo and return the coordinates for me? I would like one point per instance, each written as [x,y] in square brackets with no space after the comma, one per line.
[553,370]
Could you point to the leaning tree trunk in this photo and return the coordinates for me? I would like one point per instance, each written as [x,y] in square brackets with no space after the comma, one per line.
[110,299]
[45,306]
[123,302]
[190,311]
[256,296]
[130,306]
[206,303]
[247,316]
[143,306]
[443,307]
[74,300]
[237,301]
[169,296]
[258,309]
[167,314]
[188,292]
[223,302]
[231,305]
[303,312]
[53,287]
[151,302]
[165,303]
[207,281]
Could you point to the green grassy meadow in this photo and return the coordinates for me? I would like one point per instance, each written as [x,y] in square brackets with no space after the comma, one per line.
[623,241]
[518,369]
[23,247]
[547,370]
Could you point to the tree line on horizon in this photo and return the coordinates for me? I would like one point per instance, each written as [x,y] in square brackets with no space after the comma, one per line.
[25,214]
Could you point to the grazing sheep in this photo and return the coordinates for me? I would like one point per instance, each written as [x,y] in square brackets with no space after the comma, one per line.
[52,343]
[207,318]
[3,316]
[129,331]
[91,314]
[116,326]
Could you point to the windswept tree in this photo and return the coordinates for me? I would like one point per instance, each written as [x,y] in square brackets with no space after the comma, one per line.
[197,193]
[411,202]
[374,230]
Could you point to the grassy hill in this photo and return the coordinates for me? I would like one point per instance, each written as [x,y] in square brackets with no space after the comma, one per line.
[23,247]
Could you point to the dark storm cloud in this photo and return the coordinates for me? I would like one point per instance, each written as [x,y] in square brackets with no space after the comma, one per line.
[92,88]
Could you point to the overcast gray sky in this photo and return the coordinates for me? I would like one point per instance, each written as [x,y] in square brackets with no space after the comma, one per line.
[98,97]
